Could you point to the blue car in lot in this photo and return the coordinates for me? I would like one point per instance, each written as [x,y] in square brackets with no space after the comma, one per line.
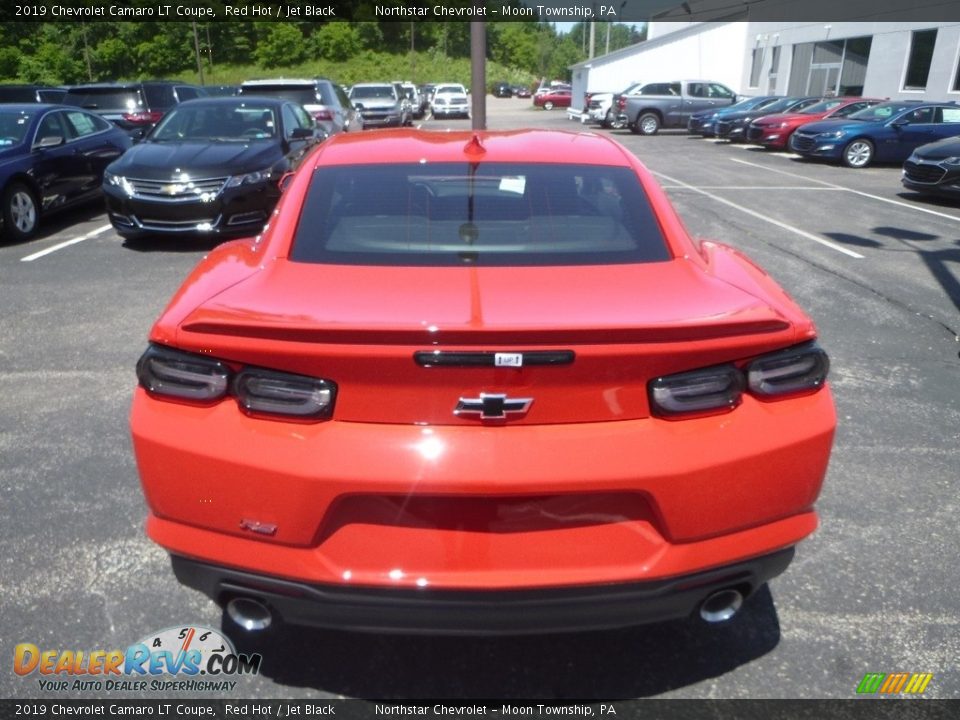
[51,157]
[701,123]
[887,132]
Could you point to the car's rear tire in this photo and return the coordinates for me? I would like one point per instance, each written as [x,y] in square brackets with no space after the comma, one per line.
[857,153]
[648,124]
[548,105]
[21,215]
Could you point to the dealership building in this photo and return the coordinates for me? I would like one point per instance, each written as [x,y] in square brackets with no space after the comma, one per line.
[896,60]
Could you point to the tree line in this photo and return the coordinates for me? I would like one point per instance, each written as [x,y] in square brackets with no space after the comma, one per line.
[75,52]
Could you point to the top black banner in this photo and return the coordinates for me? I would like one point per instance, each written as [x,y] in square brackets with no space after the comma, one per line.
[489,11]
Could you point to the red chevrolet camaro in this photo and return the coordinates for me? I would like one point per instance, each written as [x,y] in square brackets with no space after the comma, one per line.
[471,383]
[774,131]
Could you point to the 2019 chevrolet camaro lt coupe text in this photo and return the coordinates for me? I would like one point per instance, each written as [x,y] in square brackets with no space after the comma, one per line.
[211,166]
[479,383]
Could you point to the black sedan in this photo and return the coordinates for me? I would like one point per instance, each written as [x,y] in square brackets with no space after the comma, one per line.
[934,168]
[51,157]
[211,166]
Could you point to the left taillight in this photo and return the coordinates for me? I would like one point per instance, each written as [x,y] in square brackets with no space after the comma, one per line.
[794,371]
[322,114]
[260,391]
[171,374]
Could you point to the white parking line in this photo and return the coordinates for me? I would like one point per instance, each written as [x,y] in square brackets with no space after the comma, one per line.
[752,187]
[765,218]
[66,243]
[834,186]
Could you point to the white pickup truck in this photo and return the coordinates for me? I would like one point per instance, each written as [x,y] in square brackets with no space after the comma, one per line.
[600,107]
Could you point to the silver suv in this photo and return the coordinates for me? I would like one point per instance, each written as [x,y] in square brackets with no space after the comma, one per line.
[381,105]
[323,99]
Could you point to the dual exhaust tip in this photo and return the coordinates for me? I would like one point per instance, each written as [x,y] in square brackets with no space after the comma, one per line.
[254,616]
[721,605]
[250,614]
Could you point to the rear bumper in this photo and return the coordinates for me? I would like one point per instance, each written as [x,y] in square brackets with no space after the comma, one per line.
[479,613]
[481,508]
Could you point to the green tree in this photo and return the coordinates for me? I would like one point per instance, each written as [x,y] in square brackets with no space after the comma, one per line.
[513,44]
[159,57]
[50,64]
[371,38]
[9,62]
[337,41]
[283,45]
[111,58]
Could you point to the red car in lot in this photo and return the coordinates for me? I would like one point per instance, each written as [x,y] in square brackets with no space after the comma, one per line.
[553,98]
[774,131]
[479,383]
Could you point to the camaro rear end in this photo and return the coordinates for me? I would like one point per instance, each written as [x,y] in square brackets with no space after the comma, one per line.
[479,383]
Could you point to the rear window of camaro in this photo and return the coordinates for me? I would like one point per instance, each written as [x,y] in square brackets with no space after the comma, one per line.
[477,214]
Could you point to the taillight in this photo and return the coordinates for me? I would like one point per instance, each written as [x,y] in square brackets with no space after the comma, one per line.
[276,393]
[797,370]
[709,390]
[621,103]
[322,114]
[143,117]
[176,375]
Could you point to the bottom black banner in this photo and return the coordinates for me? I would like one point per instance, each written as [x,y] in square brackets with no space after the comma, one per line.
[861,709]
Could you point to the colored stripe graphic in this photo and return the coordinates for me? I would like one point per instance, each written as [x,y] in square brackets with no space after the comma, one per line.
[894,683]
[871,682]
[918,683]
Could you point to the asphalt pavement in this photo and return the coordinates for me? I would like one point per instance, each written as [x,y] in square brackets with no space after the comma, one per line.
[874,590]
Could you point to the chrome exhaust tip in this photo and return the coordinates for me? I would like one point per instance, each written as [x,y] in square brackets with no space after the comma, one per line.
[252,615]
[721,606]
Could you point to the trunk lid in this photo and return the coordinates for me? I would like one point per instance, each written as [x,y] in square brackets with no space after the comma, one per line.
[579,342]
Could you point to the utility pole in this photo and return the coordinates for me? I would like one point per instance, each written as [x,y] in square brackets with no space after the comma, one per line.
[478,72]
[196,47]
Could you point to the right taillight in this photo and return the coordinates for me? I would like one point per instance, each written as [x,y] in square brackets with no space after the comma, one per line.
[796,370]
[143,117]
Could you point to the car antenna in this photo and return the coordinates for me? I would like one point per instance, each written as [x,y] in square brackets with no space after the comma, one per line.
[475,146]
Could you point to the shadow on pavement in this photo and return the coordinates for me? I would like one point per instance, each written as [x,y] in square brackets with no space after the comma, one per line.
[615,664]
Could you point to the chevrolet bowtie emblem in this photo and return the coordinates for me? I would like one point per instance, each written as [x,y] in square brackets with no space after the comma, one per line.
[492,406]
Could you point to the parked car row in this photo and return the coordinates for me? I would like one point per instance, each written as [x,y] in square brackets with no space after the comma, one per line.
[855,131]
[185,159]
[505,90]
